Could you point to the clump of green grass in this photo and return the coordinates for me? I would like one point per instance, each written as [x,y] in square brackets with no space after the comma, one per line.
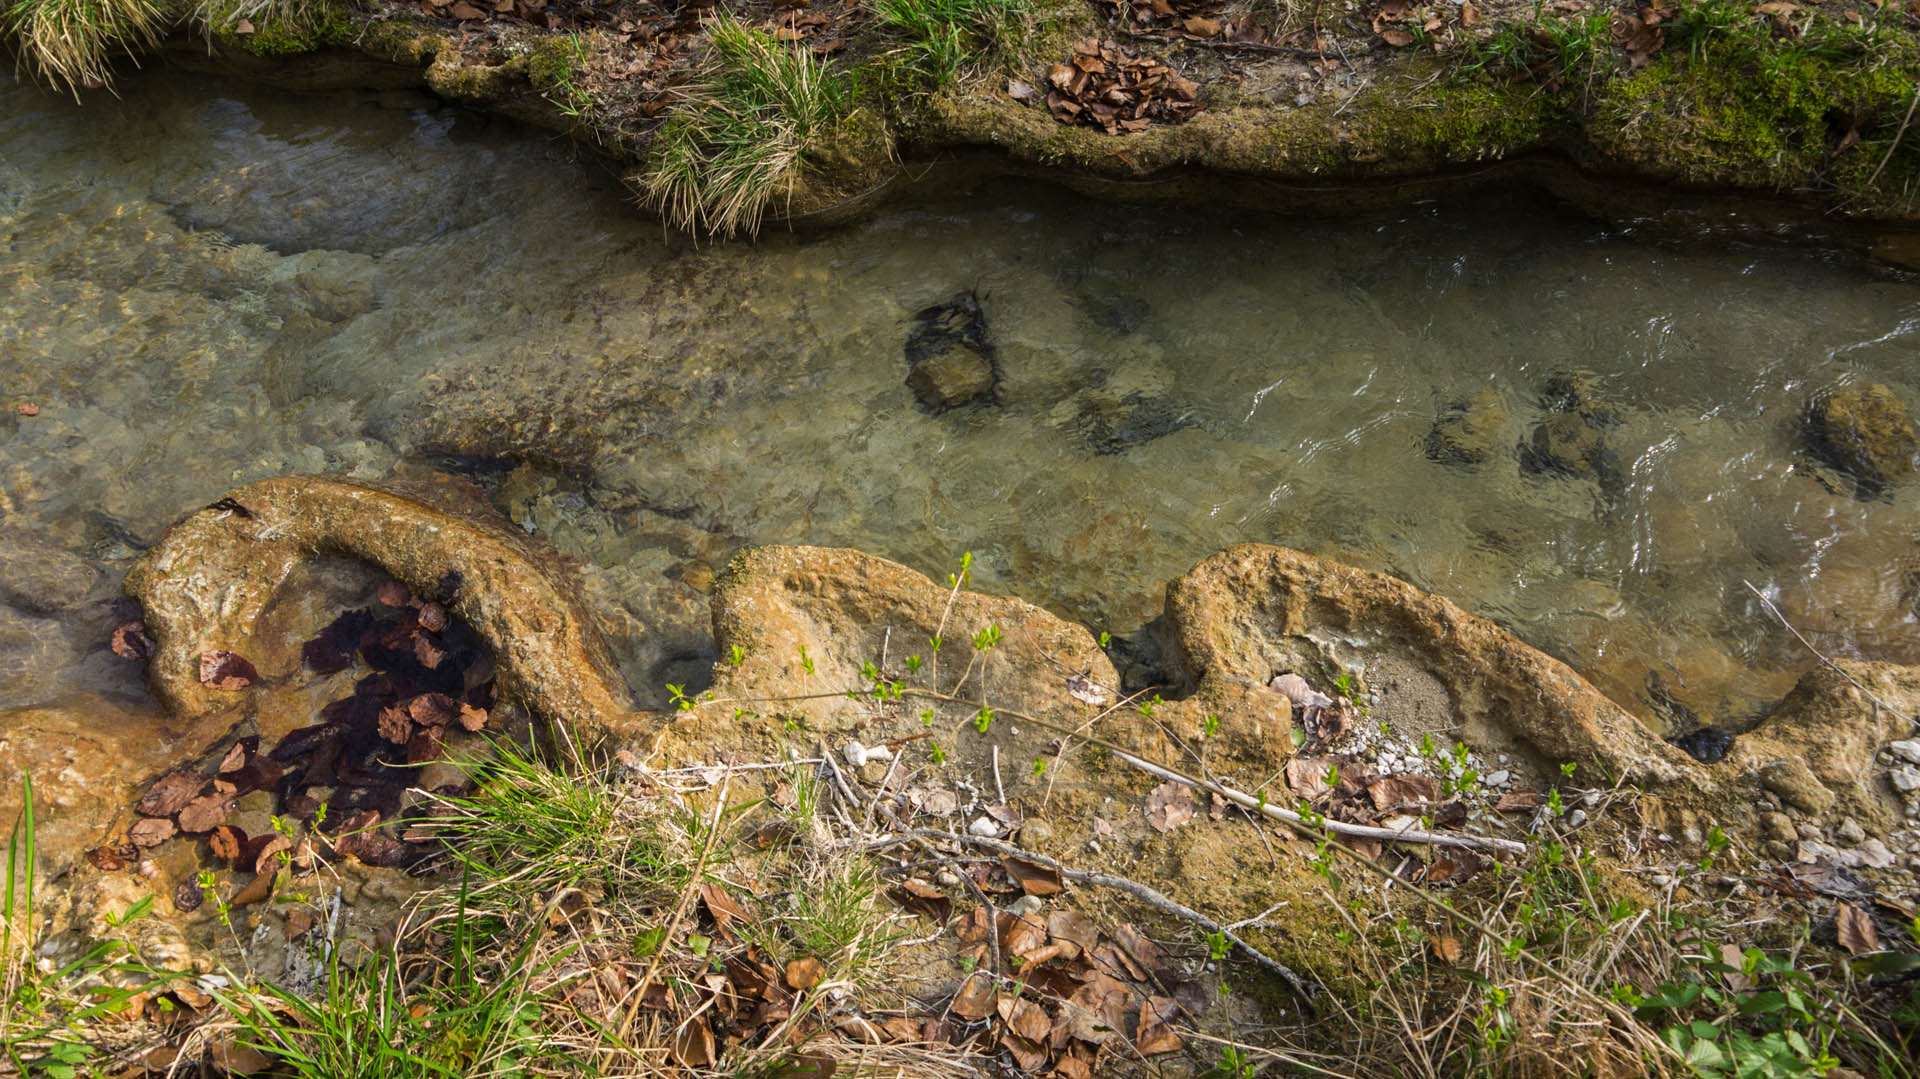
[738,140]
[941,39]
[71,43]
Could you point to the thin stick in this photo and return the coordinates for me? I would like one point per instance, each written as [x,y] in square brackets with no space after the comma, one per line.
[1298,985]
[1894,146]
[1775,611]
[680,907]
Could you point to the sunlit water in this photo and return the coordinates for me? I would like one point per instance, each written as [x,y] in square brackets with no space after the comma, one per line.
[202,285]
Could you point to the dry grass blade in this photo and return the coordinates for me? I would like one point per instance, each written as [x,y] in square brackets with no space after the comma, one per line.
[71,43]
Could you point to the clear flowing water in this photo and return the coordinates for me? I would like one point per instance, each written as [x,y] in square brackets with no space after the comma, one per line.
[202,285]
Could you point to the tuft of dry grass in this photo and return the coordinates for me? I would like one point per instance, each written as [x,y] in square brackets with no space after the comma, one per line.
[71,43]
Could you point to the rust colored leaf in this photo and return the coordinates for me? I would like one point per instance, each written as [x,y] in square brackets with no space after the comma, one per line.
[1307,777]
[264,857]
[1138,947]
[1169,806]
[973,928]
[1032,878]
[1022,935]
[466,12]
[804,973]
[433,709]
[1071,925]
[171,793]
[1469,15]
[1156,1031]
[1200,27]
[1855,929]
[471,718]
[725,909]
[1399,39]
[204,813]
[1445,947]
[111,859]
[236,756]
[227,841]
[1454,865]
[151,831]
[226,670]
[396,725]
[257,890]
[27,408]
[1519,802]
[392,593]
[975,998]
[130,640]
[1405,790]
[299,921]
[918,897]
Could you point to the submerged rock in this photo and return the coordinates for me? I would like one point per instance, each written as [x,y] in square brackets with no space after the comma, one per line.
[1572,440]
[1113,426]
[950,358]
[39,578]
[1467,431]
[1864,431]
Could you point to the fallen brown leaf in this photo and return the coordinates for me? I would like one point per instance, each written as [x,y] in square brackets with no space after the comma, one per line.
[27,408]
[692,1041]
[171,793]
[151,831]
[1855,929]
[975,998]
[226,670]
[1169,806]
[804,973]
[1032,878]
[130,640]
[1445,947]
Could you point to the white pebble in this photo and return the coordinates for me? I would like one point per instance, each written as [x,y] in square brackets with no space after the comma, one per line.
[984,826]
[854,754]
[1577,818]
[1907,750]
[1498,779]
[1906,778]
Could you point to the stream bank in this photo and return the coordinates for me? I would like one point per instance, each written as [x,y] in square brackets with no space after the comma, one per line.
[1636,111]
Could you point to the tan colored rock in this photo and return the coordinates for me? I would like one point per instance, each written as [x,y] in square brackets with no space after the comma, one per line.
[846,609]
[1864,431]
[1252,611]
[206,583]
[1817,750]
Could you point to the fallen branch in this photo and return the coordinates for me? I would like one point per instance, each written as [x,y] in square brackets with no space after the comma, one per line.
[1817,654]
[1895,145]
[1301,988]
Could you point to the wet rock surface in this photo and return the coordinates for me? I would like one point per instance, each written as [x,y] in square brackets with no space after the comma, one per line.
[1573,439]
[1115,425]
[1865,432]
[951,359]
[206,585]
[1468,432]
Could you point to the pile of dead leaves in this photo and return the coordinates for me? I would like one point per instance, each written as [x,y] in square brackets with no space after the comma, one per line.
[430,681]
[532,12]
[1111,87]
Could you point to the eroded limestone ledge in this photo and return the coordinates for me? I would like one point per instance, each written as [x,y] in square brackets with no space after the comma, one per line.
[207,581]
[805,620]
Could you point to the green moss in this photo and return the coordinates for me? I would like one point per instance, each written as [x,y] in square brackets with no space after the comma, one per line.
[286,29]
[1759,114]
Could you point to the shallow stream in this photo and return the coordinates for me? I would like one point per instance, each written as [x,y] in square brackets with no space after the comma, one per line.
[205,284]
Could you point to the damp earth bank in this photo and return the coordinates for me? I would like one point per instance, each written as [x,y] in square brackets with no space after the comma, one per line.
[205,285]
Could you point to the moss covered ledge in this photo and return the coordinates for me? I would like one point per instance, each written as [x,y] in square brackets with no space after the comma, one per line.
[1815,114]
